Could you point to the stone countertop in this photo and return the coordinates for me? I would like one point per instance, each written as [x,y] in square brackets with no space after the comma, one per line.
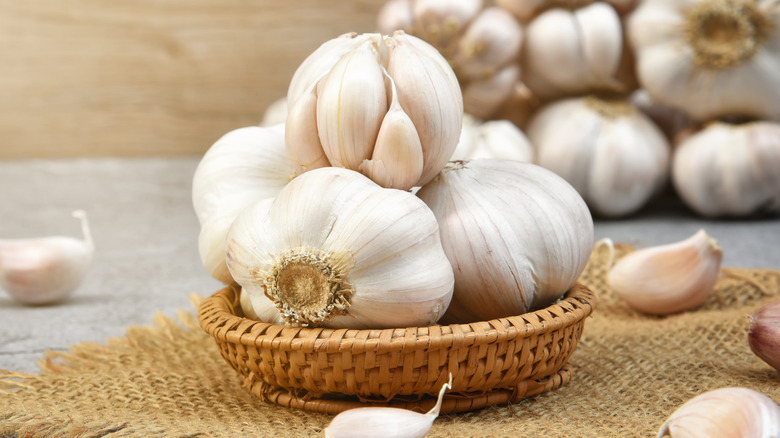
[146,259]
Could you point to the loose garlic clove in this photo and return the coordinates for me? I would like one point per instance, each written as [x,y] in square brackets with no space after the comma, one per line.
[382,422]
[46,270]
[726,413]
[730,170]
[764,334]
[499,139]
[334,249]
[668,278]
[517,235]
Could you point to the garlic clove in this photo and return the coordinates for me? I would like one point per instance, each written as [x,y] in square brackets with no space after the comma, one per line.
[46,270]
[429,93]
[301,136]
[397,159]
[385,422]
[351,102]
[726,413]
[764,333]
[602,50]
[669,278]
[490,42]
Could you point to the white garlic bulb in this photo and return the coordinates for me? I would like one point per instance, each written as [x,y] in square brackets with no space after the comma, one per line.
[614,155]
[573,52]
[243,166]
[518,236]
[669,278]
[48,269]
[492,139]
[725,413]
[383,422]
[388,106]
[710,57]
[730,170]
[334,249]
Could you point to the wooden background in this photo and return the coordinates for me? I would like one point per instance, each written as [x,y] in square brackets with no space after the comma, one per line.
[151,77]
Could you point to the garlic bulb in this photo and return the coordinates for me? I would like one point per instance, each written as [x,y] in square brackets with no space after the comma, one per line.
[573,52]
[730,170]
[48,269]
[614,155]
[518,236]
[726,413]
[379,422]
[482,43]
[669,278]
[334,249]
[389,107]
[710,57]
[492,139]
[764,333]
[244,166]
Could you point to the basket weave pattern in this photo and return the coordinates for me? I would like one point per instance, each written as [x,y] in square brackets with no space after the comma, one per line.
[491,362]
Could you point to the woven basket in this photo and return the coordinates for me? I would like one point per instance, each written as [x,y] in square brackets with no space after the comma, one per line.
[331,370]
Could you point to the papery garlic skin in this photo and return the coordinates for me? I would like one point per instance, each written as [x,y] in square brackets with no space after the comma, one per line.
[726,413]
[730,170]
[710,58]
[670,278]
[612,154]
[518,236]
[334,249]
[500,139]
[244,166]
[48,269]
[764,333]
[388,106]
[573,52]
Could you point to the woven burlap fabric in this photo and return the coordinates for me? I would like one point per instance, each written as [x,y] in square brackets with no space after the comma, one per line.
[630,372]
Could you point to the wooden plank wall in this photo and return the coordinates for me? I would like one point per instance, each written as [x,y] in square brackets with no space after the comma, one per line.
[151,77]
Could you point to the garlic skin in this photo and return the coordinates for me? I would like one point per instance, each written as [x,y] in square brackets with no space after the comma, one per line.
[244,166]
[500,139]
[573,52]
[397,121]
[334,249]
[670,278]
[48,269]
[730,170]
[517,235]
[613,155]
[764,333]
[710,58]
[725,412]
[379,422]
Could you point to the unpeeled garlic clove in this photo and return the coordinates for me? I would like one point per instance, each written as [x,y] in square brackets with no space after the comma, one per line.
[727,413]
[764,334]
[47,269]
[669,278]
[385,422]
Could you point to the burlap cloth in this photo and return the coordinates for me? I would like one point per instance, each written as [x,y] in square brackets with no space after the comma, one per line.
[630,372]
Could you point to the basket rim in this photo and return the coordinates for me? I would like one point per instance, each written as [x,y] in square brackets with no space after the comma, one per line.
[217,315]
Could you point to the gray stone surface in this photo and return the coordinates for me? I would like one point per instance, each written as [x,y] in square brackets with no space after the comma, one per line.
[147,260]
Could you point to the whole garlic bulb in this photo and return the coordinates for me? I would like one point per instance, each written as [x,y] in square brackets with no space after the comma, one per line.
[710,57]
[726,413]
[668,278]
[518,236]
[48,269]
[388,106]
[730,170]
[614,155]
[334,249]
[573,52]
[243,166]
[481,42]
[492,139]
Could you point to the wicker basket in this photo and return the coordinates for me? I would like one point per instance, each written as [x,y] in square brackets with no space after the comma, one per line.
[331,370]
